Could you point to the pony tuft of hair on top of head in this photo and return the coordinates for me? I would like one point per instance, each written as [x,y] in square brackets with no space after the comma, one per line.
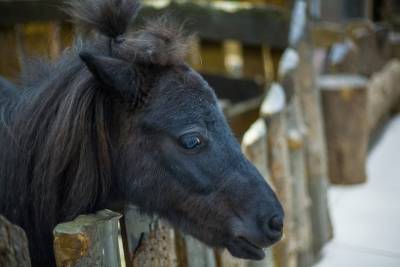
[110,17]
[161,41]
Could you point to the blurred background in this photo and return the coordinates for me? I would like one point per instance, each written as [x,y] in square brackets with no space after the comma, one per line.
[311,88]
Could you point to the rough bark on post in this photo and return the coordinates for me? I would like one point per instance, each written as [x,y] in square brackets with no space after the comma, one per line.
[89,240]
[344,101]
[255,148]
[13,245]
[295,136]
[149,242]
[273,111]
[315,146]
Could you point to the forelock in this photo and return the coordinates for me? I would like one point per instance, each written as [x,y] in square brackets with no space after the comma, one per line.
[160,42]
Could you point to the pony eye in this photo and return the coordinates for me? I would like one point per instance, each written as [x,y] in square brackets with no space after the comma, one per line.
[190,141]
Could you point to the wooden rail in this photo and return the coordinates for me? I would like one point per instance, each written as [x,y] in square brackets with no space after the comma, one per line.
[261,24]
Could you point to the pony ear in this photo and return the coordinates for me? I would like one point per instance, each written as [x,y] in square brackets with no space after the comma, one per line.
[113,73]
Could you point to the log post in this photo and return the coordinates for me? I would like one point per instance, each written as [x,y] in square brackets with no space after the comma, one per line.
[212,57]
[300,38]
[13,245]
[89,240]
[255,148]
[253,63]
[315,149]
[149,242]
[273,111]
[344,102]
[296,131]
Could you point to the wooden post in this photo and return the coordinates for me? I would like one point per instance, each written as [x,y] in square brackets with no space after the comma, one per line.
[212,57]
[253,63]
[273,111]
[315,149]
[55,42]
[89,240]
[344,102]
[255,148]
[300,38]
[13,245]
[296,131]
[151,242]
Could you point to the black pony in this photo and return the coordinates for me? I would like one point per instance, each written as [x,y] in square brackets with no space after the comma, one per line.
[121,117]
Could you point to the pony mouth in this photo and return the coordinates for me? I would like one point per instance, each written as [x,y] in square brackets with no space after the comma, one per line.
[245,249]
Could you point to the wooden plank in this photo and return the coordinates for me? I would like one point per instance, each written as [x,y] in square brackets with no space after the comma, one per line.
[13,245]
[212,21]
[89,240]
[23,11]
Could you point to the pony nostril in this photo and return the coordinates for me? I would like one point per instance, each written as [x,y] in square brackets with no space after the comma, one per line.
[273,228]
[276,224]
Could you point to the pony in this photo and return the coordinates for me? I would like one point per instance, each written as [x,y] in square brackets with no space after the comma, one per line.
[120,117]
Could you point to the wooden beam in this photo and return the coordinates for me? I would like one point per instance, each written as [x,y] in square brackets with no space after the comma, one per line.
[249,24]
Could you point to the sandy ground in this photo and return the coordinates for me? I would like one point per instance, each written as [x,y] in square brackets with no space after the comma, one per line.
[366,217]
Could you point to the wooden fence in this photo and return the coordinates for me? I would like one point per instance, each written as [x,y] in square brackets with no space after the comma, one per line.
[261,61]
